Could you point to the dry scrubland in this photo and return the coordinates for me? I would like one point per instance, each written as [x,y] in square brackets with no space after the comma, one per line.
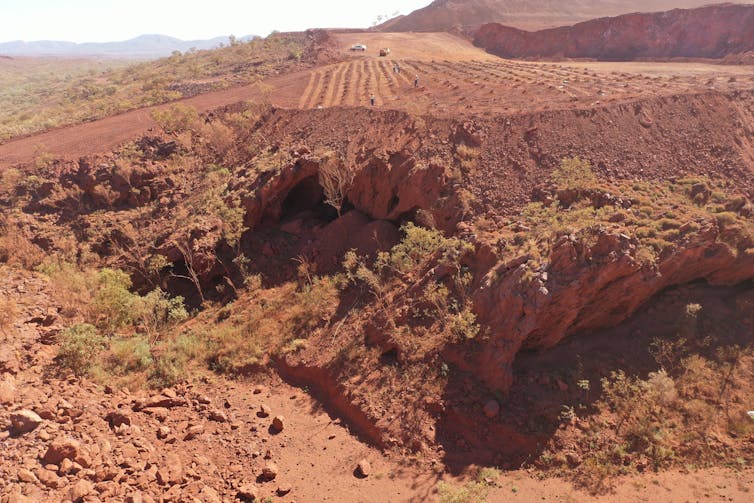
[558,284]
[38,95]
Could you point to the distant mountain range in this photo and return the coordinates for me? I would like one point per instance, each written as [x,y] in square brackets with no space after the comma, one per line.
[144,46]
[444,15]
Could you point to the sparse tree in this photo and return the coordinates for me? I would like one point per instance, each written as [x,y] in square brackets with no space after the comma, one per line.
[135,249]
[183,243]
[336,180]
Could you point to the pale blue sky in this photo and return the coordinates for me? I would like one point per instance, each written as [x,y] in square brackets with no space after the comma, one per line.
[113,20]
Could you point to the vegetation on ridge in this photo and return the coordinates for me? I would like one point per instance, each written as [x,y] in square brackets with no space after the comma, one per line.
[36,95]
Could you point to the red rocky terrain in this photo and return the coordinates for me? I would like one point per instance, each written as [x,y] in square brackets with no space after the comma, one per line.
[449,15]
[507,265]
[716,31]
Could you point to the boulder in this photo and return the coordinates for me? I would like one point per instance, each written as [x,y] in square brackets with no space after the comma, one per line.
[171,471]
[209,495]
[48,478]
[118,418]
[270,471]
[248,492]
[27,476]
[219,416]
[194,431]
[7,392]
[283,490]
[264,411]
[16,496]
[63,448]
[24,421]
[81,489]
[9,360]
[364,468]
[278,423]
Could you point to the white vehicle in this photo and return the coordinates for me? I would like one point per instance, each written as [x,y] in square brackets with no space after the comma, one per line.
[359,47]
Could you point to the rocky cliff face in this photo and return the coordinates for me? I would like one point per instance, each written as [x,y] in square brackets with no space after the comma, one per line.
[584,287]
[709,32]
[444,15]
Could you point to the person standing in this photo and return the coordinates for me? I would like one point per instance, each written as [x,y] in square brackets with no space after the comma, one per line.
[372,99]
[416,81]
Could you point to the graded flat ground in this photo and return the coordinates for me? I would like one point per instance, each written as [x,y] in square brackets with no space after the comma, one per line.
[422,46]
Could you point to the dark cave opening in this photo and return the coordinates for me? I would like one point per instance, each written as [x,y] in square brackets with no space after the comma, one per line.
[307,196]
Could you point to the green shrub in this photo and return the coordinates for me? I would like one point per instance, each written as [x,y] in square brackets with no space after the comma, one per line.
[176,118]
[574,173]
[172,359]
[313,305]
[231,348]
[464,324]
[157,310]
[129,355]
[474,491]
[113,303]
[80,346]
[418,244]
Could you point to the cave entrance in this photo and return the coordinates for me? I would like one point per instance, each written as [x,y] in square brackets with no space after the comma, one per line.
[307,196]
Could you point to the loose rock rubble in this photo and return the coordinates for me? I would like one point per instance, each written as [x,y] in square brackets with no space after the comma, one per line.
[67,439]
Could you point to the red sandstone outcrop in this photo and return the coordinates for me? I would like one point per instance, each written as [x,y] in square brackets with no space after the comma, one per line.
[587,287]
[444,15]
[709,32]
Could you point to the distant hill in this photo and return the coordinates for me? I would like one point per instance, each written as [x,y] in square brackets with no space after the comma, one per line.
[452,15]
[144,46]
[716,31]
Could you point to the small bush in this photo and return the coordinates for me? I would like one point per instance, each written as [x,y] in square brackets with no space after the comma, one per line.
[574,174]
[177,118]
[129,355]
[16,248]
[474,491]
[313,306]
[104,299]
[464,325]
[157,310]
[172,359]
[419,243]
[233,348]
[113,303]
[80,346]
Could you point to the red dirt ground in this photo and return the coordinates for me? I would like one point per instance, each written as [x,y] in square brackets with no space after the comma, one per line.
[455,79]
[316,453]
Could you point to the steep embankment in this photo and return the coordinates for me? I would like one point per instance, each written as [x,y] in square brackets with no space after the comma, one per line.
[443,15]
[708,32]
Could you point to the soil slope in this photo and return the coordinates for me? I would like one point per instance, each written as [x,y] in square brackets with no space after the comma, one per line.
[444,15]
[708,32]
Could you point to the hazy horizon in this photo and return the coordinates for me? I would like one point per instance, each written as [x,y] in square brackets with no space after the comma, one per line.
[90,21]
